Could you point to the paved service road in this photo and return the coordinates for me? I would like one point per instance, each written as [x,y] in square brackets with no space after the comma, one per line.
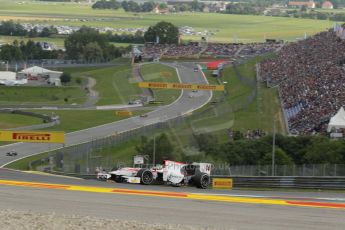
[184,105]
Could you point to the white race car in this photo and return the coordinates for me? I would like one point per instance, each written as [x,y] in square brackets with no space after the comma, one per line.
[171,172]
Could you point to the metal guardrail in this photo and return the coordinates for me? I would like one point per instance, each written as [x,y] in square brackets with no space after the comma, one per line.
[289,182]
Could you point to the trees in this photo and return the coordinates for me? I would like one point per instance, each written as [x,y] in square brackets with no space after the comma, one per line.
[65,77]
[147,6]
[88,44]
[166,32]
[25,51]
[11,28]
[281,158]
[289,150]
[93,52]
[322,151]
[197,6]
[163,148]
[48,31]
[103,4]
[16,29]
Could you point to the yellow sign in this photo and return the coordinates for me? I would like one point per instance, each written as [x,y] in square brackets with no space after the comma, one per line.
[222,183]
[123,113]
[29,136]
[164,85]
[165,74]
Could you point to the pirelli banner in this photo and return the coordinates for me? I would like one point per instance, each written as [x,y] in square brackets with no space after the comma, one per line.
[29,136]
[164,85]
[123,113]
[222,183]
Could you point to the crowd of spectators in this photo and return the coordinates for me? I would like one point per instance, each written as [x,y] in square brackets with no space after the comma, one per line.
[259,48]
[221,49]
[311,80]
[152,50]
[183,50]
[208,50]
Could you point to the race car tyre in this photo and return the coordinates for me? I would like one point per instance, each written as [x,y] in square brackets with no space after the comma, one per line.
[146,176]
[202,180]
[118,179]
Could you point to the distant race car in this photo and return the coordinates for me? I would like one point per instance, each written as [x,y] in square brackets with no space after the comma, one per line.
[171,172]
[12,153]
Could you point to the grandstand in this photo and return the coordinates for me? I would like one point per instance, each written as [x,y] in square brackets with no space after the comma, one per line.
[209,50]
[311,79]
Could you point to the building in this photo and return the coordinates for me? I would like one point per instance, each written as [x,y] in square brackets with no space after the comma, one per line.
[311,4]
[159,10]
[327,5]
[36,72]
[7,76]
[10,79]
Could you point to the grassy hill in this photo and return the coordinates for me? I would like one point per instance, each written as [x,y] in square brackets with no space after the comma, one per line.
[26,95]
[9,121]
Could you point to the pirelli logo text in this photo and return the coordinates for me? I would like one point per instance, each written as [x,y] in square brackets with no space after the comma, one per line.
[28,136]
[222,183]
[161,85]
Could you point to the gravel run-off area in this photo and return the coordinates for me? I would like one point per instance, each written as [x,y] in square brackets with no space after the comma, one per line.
[18,220]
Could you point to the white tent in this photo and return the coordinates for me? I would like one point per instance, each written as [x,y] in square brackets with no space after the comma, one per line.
[36,70]
[337,121]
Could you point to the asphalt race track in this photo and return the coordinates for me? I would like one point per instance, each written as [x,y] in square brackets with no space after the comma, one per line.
[184,105]
[169,205]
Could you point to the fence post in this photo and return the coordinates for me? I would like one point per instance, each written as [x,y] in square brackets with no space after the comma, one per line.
[324,169]
[303,170]
[335,169]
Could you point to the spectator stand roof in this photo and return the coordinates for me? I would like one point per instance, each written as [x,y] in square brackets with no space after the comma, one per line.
[337,121]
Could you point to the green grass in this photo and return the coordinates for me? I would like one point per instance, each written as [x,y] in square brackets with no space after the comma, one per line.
[9,121]
[227,28]
[161,73]
[262,110]
[114,84]
[73,120]
[25,95]
[258,114]
[23,164]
